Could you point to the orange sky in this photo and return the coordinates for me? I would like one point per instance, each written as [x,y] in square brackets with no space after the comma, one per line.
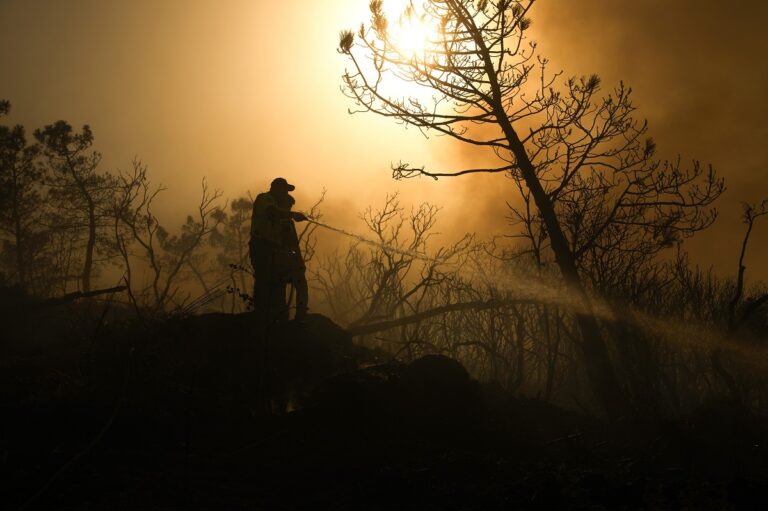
[242,91]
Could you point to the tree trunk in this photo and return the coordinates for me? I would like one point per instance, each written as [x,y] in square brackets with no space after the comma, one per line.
[20,261]
[366,329]
[600,372]
[88,264]
[21,267]
[552,359]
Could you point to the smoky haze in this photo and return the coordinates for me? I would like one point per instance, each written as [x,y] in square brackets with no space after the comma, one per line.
[242,91]
[699,78]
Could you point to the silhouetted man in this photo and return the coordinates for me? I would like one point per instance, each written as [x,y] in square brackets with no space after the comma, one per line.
[290,266]
[270,250]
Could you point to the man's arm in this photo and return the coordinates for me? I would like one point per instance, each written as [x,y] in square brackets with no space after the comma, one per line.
[277,213]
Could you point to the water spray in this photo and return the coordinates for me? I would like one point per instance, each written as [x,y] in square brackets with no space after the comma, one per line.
[686,334]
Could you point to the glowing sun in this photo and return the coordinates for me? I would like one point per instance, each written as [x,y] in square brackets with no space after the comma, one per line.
[412,34]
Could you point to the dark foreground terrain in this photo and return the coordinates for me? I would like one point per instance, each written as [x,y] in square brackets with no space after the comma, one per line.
[202,413]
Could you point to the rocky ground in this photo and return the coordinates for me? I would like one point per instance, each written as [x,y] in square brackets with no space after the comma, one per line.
[203,413]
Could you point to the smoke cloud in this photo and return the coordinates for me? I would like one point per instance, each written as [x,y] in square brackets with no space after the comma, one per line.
[242,92]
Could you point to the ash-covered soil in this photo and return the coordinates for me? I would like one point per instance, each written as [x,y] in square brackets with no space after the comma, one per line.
[219,412]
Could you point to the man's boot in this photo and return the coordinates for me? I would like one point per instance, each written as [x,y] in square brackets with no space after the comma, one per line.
[301,315]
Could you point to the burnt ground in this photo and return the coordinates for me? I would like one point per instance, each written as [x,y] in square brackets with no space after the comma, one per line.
[181,414]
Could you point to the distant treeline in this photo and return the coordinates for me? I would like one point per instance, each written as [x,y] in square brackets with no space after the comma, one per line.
[66,223]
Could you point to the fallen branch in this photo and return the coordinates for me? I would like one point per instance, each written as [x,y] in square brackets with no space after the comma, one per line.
[71,297]
[415,318]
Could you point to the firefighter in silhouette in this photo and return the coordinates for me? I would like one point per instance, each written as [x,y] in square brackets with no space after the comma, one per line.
[291,267]
[275,254]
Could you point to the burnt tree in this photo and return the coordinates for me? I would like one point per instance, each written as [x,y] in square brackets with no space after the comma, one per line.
[573,151]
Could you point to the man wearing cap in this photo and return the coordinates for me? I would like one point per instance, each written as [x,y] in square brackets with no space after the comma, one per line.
[271,252]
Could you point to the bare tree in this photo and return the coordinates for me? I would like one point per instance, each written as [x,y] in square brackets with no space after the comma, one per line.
[166,255]
[582,158]
[751,213]
[392,279]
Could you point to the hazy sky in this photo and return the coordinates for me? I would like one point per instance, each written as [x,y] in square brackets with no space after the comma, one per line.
[242,91]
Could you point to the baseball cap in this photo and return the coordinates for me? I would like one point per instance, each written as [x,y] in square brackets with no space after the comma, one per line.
[279,183]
